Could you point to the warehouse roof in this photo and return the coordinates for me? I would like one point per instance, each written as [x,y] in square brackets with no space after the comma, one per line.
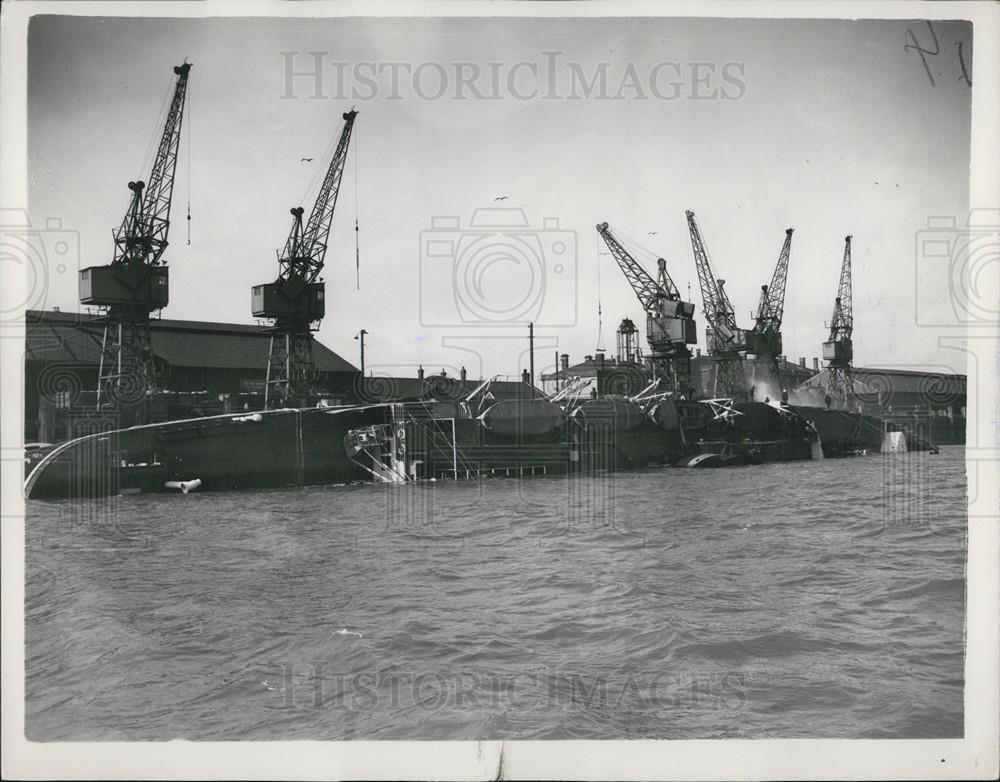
[939,389]
[75,338]
[907,381]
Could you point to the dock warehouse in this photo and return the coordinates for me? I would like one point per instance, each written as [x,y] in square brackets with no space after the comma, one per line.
[204,368]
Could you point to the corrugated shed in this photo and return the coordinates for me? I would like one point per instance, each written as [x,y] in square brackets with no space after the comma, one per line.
[62,341]
[69,338]
[905,381]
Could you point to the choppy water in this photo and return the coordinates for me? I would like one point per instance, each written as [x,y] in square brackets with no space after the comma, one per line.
[798,600]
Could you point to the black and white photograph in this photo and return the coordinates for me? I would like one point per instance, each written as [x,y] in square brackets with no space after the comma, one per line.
[500,390]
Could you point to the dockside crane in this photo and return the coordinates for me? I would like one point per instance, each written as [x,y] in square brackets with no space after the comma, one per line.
[670,325]
[135,283]
[764,339]
[726,341]
[295,300]
[838,350]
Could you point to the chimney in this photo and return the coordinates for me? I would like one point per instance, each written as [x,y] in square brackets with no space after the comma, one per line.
[815,364]
[463,374]
[420,372]
[600,359]
[589,359]
[443,373]
[564,361]
[802,361]
[525,377]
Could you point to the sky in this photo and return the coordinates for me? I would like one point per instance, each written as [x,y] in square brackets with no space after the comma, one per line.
[829,127]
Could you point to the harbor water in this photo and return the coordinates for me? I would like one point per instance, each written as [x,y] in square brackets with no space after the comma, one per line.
[809,599]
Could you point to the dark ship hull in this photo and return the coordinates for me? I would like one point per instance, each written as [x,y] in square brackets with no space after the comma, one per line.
[745,433]
[252,451]
[844,433]
[397,442]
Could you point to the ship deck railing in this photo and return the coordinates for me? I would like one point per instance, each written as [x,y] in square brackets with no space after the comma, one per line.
[476,473]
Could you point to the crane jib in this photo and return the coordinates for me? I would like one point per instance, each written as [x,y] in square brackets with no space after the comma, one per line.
[142,235]
[305,249]
[770,310]
[646,288]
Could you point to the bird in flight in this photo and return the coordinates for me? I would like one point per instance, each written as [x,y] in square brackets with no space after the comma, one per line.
[500,198]
[653,233]
[306,160]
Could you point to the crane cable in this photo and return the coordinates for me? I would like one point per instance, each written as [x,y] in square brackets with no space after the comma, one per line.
[357,243]
[152,147]
[600,321]
[188,112]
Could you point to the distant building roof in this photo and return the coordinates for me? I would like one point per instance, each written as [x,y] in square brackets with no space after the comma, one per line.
[586,368]
[382,389]
[591,364]
[73,338]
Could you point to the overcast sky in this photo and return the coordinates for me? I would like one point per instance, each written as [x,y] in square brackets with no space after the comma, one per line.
[827,127]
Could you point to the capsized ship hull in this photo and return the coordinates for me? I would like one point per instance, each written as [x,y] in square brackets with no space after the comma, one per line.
[251,451]
[741,432]
[845,433]
[397,442]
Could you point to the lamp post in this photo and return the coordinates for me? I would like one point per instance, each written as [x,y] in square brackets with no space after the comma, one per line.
[360,336]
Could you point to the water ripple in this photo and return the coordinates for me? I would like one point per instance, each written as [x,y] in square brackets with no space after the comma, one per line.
[802,600]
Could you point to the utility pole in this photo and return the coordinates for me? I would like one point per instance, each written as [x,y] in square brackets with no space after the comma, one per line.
[531,353]
[361,338]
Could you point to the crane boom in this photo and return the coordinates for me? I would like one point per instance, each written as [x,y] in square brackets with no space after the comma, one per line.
[305,248]
[726,339]
[718,309]
[764,340]
[295,300]
[670,325]
[838,350]
[842,323]
[142,236]
[136,282]
[772,300]
[646,288]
